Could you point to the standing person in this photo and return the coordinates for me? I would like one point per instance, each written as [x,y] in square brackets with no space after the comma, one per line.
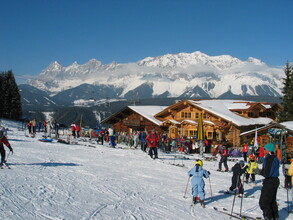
[111,137]
[197,173]
[77,129]
[270,171]
[290,172]
[102,135]
[3,140]
[34,126]
[261,154]
[152,140]
[251,168]
[142,137]
[238,169]
[244,151]
[224,158]
[73,129]
[49,128]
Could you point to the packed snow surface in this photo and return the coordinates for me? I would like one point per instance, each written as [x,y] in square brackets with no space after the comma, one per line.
[56,181]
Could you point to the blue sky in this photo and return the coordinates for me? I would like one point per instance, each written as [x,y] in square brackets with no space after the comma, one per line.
[35,33]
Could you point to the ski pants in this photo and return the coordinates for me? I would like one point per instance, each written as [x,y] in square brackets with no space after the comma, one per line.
[223,160]
[112,141]
[153,150]
[267,200]
[143,146]
[3,153]
[236,183]
[252,177]
[198,190]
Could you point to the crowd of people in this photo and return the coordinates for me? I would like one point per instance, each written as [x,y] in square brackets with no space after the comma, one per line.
[268,156]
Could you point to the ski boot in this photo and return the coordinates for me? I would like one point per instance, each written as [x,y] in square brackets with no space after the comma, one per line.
[202,203]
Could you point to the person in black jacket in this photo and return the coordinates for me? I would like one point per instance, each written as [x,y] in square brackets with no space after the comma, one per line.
[238,169]
[270,171]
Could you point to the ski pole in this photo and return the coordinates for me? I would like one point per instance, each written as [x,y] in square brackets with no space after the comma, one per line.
[211,188]
[242,184]
[238,177]
[184,196]
[8,155]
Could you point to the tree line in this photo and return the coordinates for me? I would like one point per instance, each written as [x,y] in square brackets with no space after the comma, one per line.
[10,99]
[287,99]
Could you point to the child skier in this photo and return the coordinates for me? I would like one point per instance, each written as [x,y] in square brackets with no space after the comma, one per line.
[238,169]
[3,140]
[197,173]
[251,168]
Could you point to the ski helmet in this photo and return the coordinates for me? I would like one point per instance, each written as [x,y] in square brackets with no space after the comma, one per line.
[241,162]
[198,162]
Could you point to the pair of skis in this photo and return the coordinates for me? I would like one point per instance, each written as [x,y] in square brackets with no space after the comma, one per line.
[5,166]
[236,215]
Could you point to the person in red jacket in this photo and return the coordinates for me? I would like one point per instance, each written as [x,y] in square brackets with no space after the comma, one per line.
[73,129]
[224,158]
[261,154]
[152,140]
[244,152]
[77,128]
[3,140]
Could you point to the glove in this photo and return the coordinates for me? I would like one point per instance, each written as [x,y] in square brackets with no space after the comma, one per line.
[209,172]
[10,148]
[190,175]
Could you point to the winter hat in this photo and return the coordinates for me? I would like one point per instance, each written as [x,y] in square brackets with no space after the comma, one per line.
[270,147]
[241,162]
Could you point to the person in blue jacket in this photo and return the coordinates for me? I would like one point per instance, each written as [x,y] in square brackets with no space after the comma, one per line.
[270,171]
[197,173]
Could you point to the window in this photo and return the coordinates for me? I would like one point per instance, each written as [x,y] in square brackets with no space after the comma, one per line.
[204,115]
[196,115]
[192,133]
[210,135]
[185,114]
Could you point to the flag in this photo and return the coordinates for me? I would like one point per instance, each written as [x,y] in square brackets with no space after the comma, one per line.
[255,139]
[200,131]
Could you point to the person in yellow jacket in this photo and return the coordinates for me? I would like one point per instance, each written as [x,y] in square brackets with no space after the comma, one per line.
[251,169]
[290,171]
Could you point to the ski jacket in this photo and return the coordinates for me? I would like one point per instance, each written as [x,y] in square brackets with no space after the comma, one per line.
[225,152]
[251,167]
[77,127]
[111,132]
[4,140]
[142,137]
[261,152]
[197,173]
[245,148]
[152,140]
[270,166]
[237,170]
[73,127]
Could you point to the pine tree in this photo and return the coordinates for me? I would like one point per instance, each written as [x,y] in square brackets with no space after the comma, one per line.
[10,97]
[287,100]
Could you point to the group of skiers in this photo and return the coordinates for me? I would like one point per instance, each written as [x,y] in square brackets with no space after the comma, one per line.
[270,172]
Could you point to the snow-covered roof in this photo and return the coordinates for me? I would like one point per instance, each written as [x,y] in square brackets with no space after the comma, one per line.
[172,121]
[221,108]
[288,125]
[148,112]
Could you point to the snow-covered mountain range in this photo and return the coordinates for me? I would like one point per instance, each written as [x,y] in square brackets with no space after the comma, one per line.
[192,75]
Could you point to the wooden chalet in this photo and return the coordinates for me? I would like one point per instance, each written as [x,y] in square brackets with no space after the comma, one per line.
[136,118]
[222,119]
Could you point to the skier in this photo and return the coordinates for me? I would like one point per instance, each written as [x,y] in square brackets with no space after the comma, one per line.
[111,137]
[244,151]
[77,129]
[197,173]
[224,158]
[153,140]
[3,140]
[270,171]
[251,168]
[238,169]
[142,136]
[73,129]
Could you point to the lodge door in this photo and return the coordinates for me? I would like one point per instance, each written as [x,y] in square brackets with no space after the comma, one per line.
[173,131]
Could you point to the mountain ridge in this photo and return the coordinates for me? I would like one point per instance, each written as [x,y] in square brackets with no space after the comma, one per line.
[172,75]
